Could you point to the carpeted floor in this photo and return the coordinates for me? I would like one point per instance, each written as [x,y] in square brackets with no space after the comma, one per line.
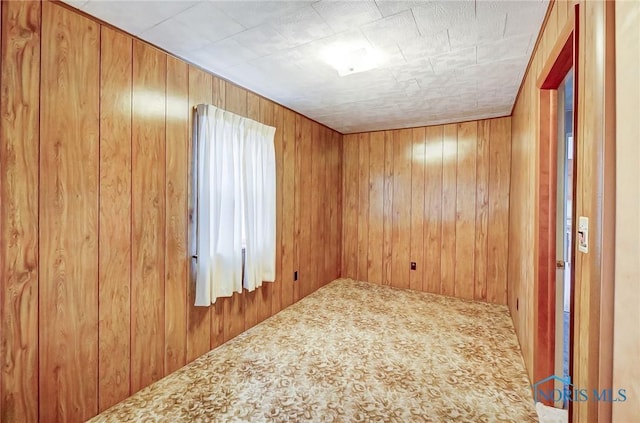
[353,351]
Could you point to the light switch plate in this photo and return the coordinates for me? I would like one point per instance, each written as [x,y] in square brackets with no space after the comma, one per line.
[583,234]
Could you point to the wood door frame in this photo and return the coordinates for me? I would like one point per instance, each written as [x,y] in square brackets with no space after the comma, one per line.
[562,58]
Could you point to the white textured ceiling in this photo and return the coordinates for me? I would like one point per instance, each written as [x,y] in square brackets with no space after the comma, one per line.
[444,61]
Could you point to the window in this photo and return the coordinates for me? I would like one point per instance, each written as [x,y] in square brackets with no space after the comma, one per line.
[234,203]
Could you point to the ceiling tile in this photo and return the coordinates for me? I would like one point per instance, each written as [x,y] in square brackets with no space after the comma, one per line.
[506,48]
[302,26]
[391,30]
[208,22]
[222,54]
[441,15]
[174,36]
[454,60]
[263,39]
[416,69]
[425,46]
[474,32]
[135,16]
[525,19]
[344,15]
[254,13]
[391,7]
[445,61]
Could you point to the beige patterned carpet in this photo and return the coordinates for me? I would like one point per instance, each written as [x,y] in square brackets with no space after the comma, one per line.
[352,352]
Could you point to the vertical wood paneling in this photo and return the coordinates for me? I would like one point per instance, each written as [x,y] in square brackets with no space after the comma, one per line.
[116,63]
[288,205]
[19,150]
[401,223]
[69,127]
[465,210]
[423,195]
[234,319]
[306,276]
[499,182]
[350,206]
[176,262]
[297,204]
[93,239]
[387,230]
[267,107]
[198,318]
[418,157]
[363,207]
[314,206]
[433,209]
[325,207]
[448,239]
[148,211]
[336,204]
[626,337]
[376,207]
[482,209]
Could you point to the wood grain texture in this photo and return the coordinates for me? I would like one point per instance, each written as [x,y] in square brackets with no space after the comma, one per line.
[305,276]
[387,230]
[376,208]
[315,242]
[96,294]
[327,190]
[19,150]
[626,337]
[148,215]
[363,207]
[176,227]
[433,209]
[288,206]
[428,201]
[297,294]
[482,210]
[68,231]
[499,182]
[594,66]
[114,282]
[350,207]
[465,210]
[449,192]
[266,108]
[198,318]
[418,157]
[401,221]
[336,213]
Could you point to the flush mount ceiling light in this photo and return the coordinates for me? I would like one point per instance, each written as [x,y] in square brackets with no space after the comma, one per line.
[349,58]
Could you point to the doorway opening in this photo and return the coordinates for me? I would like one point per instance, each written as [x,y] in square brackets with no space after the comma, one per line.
[564,230]
[555,222]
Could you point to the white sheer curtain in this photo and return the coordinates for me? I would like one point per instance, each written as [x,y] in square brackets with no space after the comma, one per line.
[234,172]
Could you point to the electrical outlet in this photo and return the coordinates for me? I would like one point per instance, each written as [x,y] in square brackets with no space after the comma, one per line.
[414,266]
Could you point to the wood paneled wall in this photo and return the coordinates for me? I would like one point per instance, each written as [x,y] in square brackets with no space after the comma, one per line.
[437,196]
[96,299]
[593,198]
[626,348]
